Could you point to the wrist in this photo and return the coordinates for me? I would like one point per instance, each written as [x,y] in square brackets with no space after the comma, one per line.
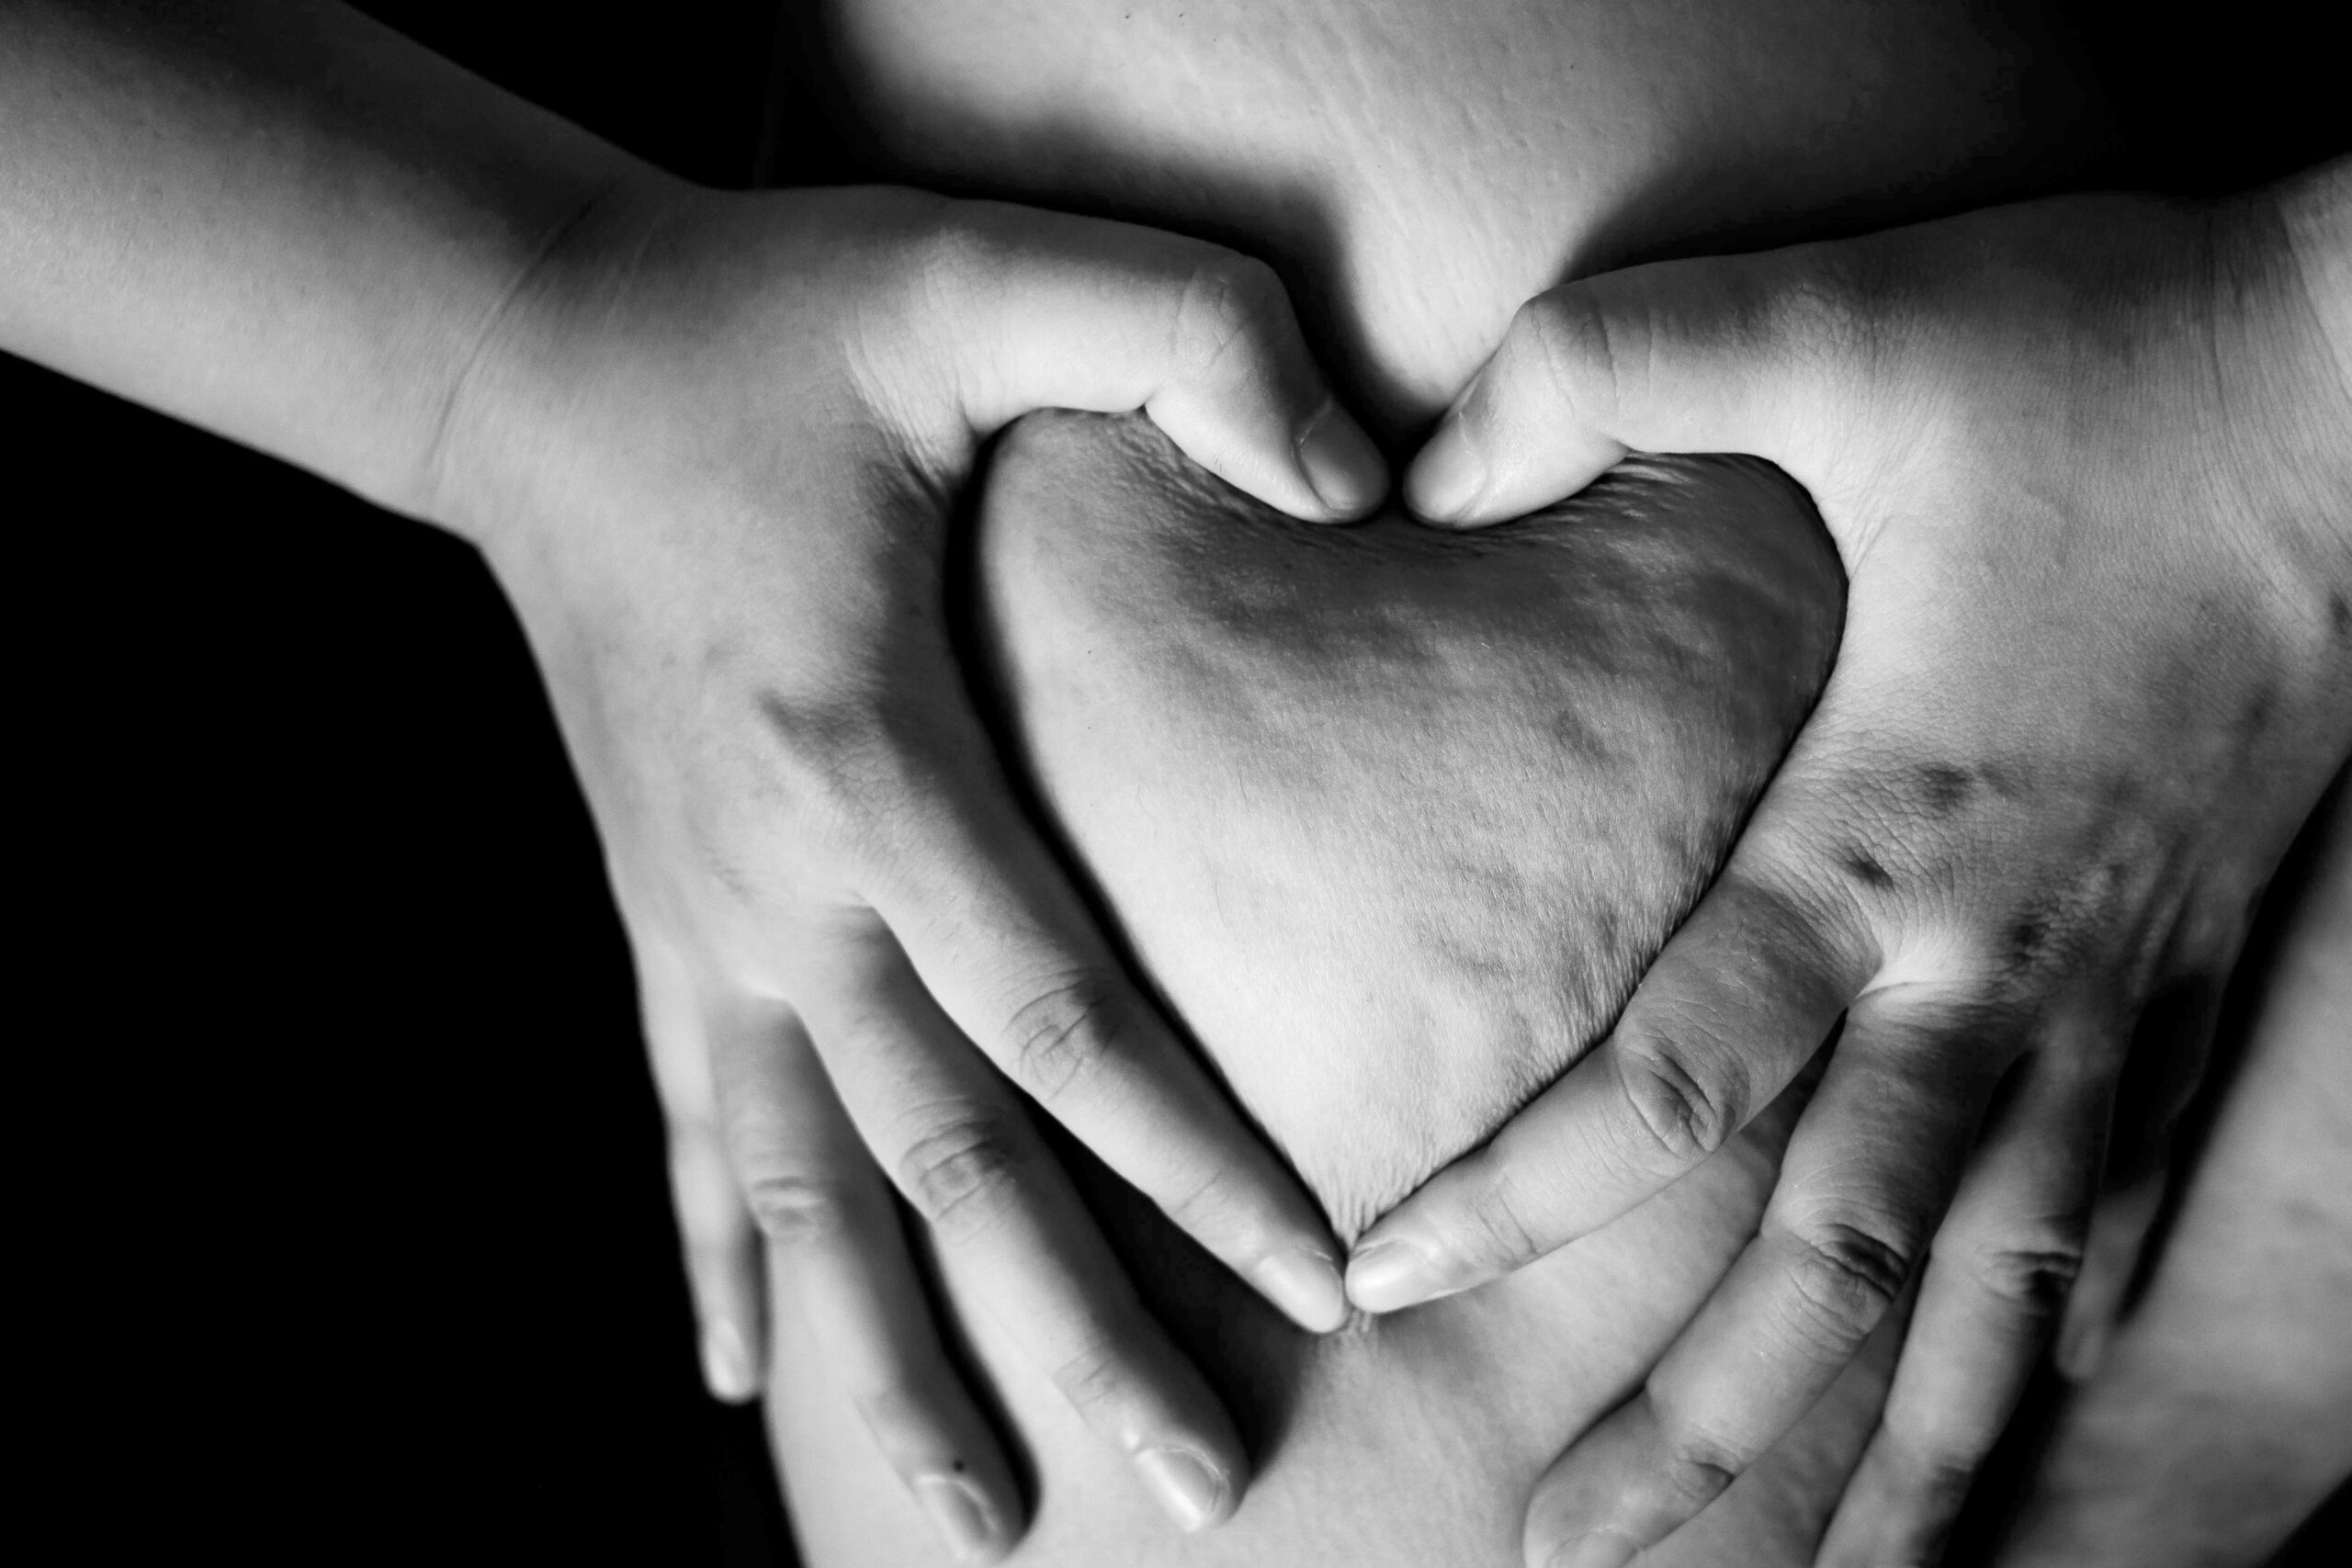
[500,401]
[2282,303]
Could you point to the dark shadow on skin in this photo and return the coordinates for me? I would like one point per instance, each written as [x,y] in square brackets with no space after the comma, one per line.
[2063,134]
[2166,1054]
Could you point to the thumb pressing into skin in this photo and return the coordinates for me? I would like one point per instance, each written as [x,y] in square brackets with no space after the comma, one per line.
[1711,356]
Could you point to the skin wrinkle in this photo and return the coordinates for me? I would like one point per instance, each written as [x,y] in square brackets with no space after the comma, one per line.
[1399,868]
[1287,894]
[1324,177]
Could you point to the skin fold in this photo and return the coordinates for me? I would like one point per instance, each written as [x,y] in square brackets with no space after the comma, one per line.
[1414,171]
[1394,818]
[1297,766]
[2086,462]
[1417,168]
[712,443]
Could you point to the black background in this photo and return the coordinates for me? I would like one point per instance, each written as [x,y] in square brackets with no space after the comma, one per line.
[340,1182]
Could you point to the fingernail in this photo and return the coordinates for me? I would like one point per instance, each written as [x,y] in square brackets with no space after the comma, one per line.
[1388,1275]
[960,1515]
[1447,476]
[1306,1285]
[1340,460]
[1601,1549]
[1193,1493]
[726,1364]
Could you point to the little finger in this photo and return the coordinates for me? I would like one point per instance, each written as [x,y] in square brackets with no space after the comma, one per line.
[1997,1278]
[722,1247]
[835,1244]
[1867,1176]
[1006,1219]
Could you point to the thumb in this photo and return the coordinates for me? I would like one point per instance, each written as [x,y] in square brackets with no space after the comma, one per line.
[1732,355]
[1081,313]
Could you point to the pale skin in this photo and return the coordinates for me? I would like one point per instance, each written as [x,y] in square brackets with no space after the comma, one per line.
[708,444]
[2088,464]
[2219,1414]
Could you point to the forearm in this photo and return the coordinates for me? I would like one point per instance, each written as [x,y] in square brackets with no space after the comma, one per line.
[281,221]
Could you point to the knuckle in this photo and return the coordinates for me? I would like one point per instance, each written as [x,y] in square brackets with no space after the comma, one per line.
[1094,1376]
[1698,1467]
[1822,303]
[963,1167]
[1220,1191]
[1685,1112]
[1227,299]
[825,753]
[843,765]
[1844,1278]
[1499,1230]
[2033,1281]
[1940,1470]
[795,1208]
[1569,333]
[959,252]
[1065,1032]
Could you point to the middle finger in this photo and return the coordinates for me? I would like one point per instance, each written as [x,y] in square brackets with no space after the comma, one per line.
[962,1151]
[1870,1170]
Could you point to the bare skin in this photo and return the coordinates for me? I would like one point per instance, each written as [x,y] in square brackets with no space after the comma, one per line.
[2221,1412]
[710,444]
[2085,461]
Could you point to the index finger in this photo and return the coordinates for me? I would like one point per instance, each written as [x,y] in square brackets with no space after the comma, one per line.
[1737,1004]
[1002,944]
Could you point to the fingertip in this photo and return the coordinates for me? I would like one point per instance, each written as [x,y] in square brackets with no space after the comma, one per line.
[727,1364]
[1340,463]
[1306,1286]
[1489,461]
[1390,1273]
[1588,1508]
[1447,475]
[1191,1489]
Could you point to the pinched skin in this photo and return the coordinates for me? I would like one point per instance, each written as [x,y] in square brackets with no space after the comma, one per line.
[1394,818]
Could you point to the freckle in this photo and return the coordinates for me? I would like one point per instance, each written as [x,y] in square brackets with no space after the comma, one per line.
[1944,788]
[1868,870]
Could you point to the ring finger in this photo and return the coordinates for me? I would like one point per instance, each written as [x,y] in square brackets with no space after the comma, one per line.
[835,1246]
[1996,1281]
[962,1151]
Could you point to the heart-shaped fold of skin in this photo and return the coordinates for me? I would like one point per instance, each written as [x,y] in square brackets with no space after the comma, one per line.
[1393,818]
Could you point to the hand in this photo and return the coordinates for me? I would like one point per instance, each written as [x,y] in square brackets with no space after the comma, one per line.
[2222,1415]
[710,443]
[2088,465]
[712,451]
